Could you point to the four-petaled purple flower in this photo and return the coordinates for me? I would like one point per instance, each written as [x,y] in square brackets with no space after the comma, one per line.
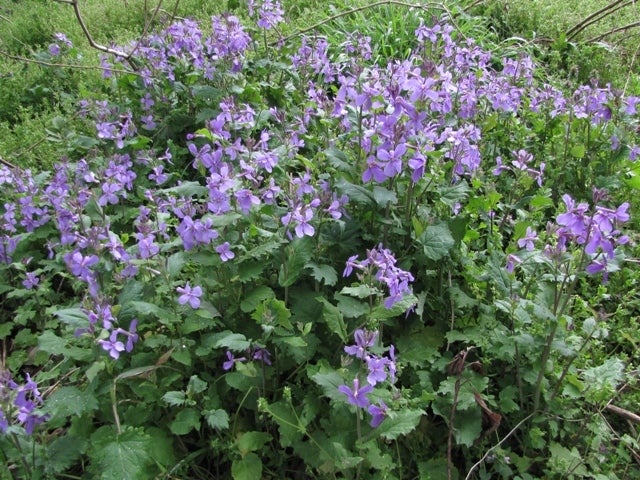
[190,295]
[357,396]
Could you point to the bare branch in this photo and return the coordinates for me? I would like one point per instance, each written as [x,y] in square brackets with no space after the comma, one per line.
[597,16]
[615,30]
[497,445]
[92,42]
[63,65]
[632,417]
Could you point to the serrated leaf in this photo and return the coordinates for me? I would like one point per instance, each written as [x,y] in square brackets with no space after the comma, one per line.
[287,422]
[218,419]
[297,342]
[64,452]
[333,318]
[436,241]
[329,379]
[252,441]
[255,298]
[361,291]
[185,421]
[175,398]
[70,401]
[383,196]
[297,254]
[323,273]
[399,308]
[247,468]
[351,307]
[116,457]
[232,341]
[74,317]
[402,423]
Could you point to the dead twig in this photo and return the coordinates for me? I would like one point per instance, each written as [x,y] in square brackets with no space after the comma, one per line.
[632,417]
[597,16]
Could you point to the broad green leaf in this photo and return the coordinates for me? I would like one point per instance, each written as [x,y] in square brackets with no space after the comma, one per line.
[74,317]
[384,196]
[351,307]
[273,312]
[175,398]
[436,241]
[175,263]
[293,341]
[361,291]
[232,341]
[399,308]
[467,426]
[247,468]
[64,452]
[70,401]
[333,318]
[288,426]
[329,379]
[196,384]
[323,273]
[338,160]
[124,456]
[255,297]
[297,254]
[252,441]
[185,421]
[400,423]
[218,419]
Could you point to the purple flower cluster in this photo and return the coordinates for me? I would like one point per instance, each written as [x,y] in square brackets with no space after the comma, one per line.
[256,352]
[597,230]
[379,368]
[19,402]
[381,263]
[521,163]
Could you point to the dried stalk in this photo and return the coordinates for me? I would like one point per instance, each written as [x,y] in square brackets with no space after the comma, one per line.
[614,30]
[596,17]
[92,42]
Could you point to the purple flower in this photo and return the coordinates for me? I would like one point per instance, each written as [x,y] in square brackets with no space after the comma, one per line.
[512,261]
[527,241]
[190,295]
[225,252]
[364,340]
[113,345]
[31,281]
[356,396]
[231,361]
[378,412]
[263,355]
[377,370]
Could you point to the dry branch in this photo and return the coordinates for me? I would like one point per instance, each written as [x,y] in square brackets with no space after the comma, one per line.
[596,17]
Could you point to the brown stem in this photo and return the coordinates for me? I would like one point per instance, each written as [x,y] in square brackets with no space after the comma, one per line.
[596,17]
[614,30]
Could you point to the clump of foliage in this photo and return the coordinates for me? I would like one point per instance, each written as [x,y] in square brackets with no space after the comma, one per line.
[275,260]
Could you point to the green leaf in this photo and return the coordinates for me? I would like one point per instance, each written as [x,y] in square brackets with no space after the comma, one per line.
[468,426]
[70,401]
[333,318]
[73,317]
[293,341]
[255,297]
[338,160]
[578,151]
[185,421]
[399,308]
[288,424]
[323,273]
[400,423]
[436,241]
[382,196]
[273,312]
[361,291]
[350,307]
[252,441]
[329,379]
[297,254]
[64,452]
[247,468]
[232,341]
[175,398]
[218,419]
[116,457]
